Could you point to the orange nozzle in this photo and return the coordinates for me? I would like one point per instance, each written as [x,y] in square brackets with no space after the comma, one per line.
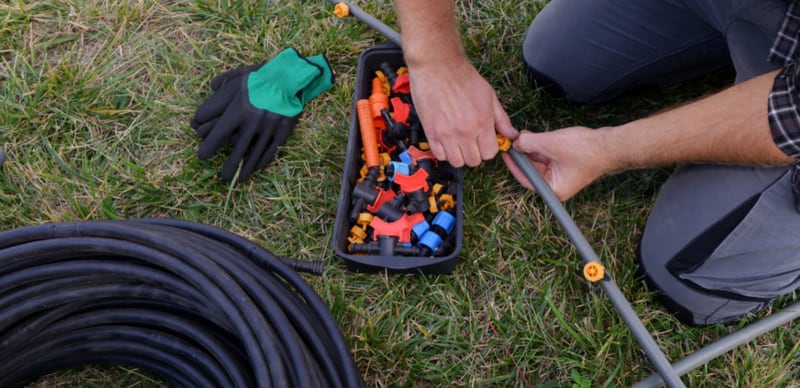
[341,10]
[378,101]
[384,81]
[368,136]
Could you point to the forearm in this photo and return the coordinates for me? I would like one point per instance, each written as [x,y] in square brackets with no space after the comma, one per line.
[429,30]
[727,127]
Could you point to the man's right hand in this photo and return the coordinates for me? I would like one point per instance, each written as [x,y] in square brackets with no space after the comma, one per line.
[459,111]
[569,159]
[458,108]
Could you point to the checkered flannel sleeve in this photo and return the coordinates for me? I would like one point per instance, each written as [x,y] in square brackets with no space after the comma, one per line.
[784,118]
[784,99]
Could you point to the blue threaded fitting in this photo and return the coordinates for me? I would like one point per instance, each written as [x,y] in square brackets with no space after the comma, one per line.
[445,221]
[406,157]
[420,229]
[399,167]
[430,240]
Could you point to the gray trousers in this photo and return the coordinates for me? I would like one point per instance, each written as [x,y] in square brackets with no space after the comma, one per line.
[720,241]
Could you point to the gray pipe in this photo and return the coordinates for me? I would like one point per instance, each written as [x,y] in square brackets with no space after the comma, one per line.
[619,301]
[725,344]
[371,21]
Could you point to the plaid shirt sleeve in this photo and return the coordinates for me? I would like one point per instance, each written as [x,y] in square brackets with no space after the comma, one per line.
[784,98]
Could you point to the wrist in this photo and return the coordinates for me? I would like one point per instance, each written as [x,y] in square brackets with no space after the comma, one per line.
[611,146]
[423,54]
[429,30]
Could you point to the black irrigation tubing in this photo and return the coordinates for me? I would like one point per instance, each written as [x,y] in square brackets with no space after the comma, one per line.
[193,304]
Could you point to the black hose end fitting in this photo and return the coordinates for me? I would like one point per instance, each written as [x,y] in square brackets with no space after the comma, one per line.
[310,267]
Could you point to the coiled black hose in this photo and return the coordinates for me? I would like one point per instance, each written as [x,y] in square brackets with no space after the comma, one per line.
[194,304]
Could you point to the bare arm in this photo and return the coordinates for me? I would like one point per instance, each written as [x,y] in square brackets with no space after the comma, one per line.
[458,108]
[728,127]
[430,31]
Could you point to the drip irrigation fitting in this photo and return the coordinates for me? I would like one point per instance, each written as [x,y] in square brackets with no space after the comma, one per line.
[195,305]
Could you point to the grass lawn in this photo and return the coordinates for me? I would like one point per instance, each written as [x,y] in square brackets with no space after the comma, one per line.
[95,103]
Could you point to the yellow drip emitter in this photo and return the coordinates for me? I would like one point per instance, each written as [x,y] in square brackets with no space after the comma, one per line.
[341,10]
[594,271]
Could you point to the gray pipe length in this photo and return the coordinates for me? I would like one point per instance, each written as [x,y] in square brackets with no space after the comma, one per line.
[623,307]
[371,21]
[727,343]
[619,301]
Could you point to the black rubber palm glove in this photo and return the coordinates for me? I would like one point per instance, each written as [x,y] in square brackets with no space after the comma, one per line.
[254,109]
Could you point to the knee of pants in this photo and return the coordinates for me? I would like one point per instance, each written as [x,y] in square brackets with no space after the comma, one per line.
[555,71]
[538,71]
[545,66]
[687,304]
[710,253]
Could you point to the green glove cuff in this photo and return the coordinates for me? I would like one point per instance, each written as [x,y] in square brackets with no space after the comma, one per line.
[275,86]
[321,83]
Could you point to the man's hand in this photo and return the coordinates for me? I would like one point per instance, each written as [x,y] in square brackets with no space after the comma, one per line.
[569,159]
[458,108]
[730,126]
[459,111]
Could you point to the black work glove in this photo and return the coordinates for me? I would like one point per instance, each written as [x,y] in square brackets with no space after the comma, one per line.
[254,109]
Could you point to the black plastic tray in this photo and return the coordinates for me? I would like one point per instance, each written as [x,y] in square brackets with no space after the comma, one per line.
[370,61]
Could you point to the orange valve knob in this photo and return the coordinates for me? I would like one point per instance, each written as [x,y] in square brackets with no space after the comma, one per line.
[341,10]
[364,218]
[594,271]
[503,143]
[357,235]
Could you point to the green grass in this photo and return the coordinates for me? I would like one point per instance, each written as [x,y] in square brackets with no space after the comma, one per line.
[95,103]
